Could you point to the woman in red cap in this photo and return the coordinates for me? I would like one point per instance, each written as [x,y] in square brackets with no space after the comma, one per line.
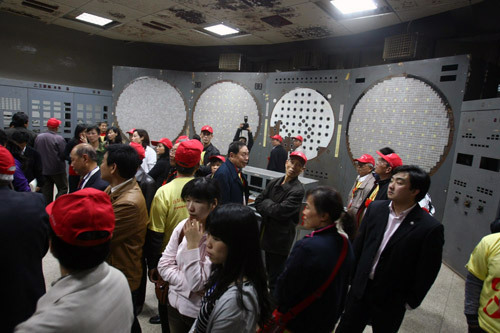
[162,167]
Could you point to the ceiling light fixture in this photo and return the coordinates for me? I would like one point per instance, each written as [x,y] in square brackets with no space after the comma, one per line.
[93,19]
[221,30]
[354,6]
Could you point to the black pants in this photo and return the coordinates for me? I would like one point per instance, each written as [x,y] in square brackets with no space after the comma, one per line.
[178,322]
[275,263]
[136,327]
[163,312]
[383,316]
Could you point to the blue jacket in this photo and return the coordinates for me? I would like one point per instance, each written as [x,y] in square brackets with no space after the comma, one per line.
[232,189]
[309,266]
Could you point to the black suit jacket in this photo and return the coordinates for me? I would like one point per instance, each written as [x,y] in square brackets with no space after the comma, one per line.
[277,159]
[231,187]
[24,240]
[96,182]
[409,263]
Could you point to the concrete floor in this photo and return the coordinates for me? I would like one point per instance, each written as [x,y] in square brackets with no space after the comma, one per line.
[441,311]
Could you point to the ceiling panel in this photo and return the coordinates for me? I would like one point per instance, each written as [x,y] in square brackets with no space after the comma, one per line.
[15,6]
[308,20]
[363,24]
[111,11]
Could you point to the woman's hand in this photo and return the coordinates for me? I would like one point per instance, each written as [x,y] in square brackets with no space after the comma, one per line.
[193,231]
[83,138]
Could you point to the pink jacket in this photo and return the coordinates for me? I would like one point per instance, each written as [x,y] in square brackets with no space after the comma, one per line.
[186,271]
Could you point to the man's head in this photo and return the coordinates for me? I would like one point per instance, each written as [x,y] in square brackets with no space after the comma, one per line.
[20,138]
[53,124]
[206,135]
[238,154]
[93,133]
[83,158]
[276,140]
[130,133]
[408,185]
[364,164]
[20,119]
[386,164]
[215,162]
[297,141]
[188,156]
[7,167]
[295,164]
[103,126]
[120,163]
[242,139]
[82,225]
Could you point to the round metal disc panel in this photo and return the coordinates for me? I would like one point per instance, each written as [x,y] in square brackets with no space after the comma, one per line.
[223,106]
[305,112]
[406,114]
[153,105]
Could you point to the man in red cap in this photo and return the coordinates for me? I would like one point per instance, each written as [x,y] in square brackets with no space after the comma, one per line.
[215,162]
[297,143]
[90,296]
[130,134]
[118,168]
[365,181]
[386,163]
[278,156]
[168,209]
[206,135]
[279,204]
[51,146]
[24,239]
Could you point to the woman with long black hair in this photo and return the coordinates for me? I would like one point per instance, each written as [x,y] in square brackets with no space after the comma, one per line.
[311,264]
[236,297]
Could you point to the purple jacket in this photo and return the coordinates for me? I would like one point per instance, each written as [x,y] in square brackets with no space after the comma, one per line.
[20,182]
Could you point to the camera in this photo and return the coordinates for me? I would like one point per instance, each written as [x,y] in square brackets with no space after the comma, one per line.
[245,123]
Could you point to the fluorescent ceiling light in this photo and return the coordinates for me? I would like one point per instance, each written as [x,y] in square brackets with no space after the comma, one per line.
[353,6]
[221,30]
[89,18]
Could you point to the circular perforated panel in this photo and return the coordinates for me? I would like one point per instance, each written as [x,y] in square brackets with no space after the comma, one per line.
[223,106]
[305,112]
[403,113]
[153,105]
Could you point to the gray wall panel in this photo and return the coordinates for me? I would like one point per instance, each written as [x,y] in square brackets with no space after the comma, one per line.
[473,199]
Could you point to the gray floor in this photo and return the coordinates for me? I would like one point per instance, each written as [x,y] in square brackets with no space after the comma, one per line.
[441,311]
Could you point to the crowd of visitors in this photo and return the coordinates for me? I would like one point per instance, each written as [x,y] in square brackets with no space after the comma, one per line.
[181,218]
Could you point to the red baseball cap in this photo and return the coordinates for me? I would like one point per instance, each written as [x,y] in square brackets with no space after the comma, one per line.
[76,216]
[298,137]
[300,155]
[131,131]
[366,158]
[217,157]
[208,129]
[182,138]
[139,149]
[393,159]
[188,154]
[165,141]
[7,164]
[53,122]
[277,137]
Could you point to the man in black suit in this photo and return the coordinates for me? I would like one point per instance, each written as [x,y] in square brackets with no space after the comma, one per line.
[278,155]
[84,162]
[398,256]
[24,240]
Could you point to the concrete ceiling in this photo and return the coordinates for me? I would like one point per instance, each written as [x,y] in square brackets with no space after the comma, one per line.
[180,19]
